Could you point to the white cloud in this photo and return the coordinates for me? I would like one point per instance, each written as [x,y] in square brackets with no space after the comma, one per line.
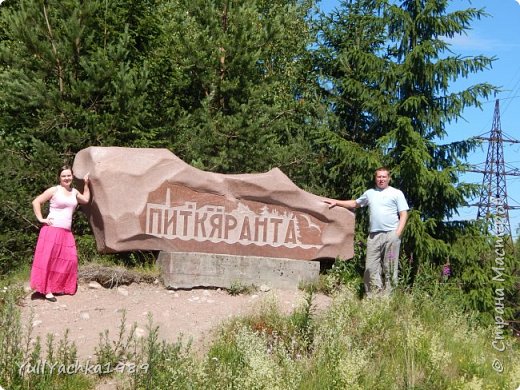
[474,42]
[466,42]
[518,1]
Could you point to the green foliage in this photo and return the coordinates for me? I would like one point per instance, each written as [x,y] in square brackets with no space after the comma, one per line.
[147,362]
[69,80]
[19,226]
[233,95]
[341,274]
[238,288]
[303,321]
[23,362]
[421,339]
[490,284]
[391,95]
[408,341]
[110,353]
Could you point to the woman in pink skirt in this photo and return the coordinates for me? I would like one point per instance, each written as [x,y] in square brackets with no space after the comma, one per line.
[55,263]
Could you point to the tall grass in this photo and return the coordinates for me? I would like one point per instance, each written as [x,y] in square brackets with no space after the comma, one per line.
[410,340]
[24,362]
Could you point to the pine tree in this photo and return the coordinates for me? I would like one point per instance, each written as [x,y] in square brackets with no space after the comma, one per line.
[71,77]
[233,89]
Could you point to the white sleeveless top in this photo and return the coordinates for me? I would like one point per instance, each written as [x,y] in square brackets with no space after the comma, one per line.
[62,207]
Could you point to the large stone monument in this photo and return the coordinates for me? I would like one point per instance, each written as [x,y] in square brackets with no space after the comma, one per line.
[149,199]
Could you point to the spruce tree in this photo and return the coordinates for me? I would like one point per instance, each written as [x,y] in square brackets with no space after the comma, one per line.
[388,70]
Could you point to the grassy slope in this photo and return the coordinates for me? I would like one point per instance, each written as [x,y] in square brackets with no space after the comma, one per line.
[408,341]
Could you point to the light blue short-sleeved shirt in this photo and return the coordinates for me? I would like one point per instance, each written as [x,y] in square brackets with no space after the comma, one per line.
[384,207]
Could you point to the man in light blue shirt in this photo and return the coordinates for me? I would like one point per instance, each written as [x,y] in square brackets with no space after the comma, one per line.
[388,212]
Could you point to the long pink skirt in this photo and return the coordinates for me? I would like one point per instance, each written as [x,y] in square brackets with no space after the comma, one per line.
[55,263]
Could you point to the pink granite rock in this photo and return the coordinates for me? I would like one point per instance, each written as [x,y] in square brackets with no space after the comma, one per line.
[149,199]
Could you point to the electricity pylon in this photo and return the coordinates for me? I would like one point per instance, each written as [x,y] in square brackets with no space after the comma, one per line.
[493,205]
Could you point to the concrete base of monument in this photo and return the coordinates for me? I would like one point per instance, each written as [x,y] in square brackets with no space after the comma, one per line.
[181,270]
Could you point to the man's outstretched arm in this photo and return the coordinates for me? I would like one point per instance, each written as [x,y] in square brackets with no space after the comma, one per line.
[348,204]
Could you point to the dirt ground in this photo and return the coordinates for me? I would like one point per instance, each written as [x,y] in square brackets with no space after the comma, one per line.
[195,314]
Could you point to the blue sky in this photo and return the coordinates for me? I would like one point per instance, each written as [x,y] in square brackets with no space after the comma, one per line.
[497,35]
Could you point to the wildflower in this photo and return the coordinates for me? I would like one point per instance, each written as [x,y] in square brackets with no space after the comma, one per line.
[446,271]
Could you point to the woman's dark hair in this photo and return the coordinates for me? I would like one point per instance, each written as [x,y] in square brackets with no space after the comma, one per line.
[63,168]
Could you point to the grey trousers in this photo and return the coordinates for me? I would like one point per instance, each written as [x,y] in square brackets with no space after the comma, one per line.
[381,264]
